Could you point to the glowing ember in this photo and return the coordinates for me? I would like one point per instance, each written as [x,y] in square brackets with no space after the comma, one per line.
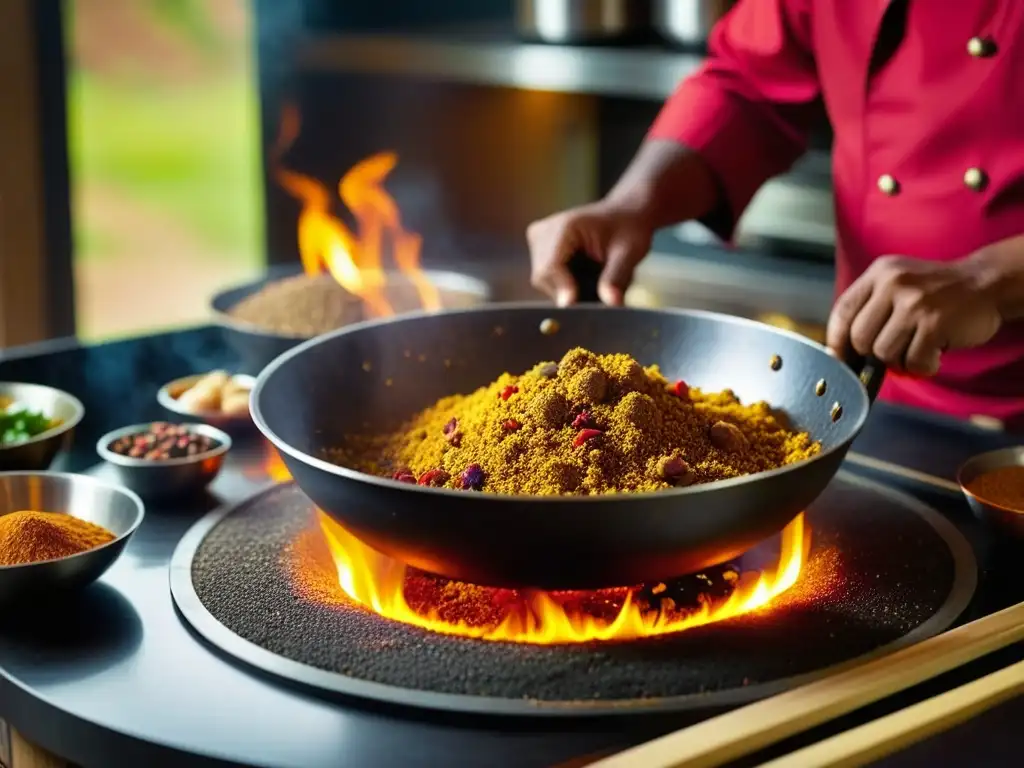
[349,571]
[354,259]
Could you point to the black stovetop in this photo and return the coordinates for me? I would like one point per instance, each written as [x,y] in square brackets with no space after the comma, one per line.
[116,678]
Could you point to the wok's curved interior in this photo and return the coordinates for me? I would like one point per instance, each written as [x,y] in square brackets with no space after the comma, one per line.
[374,375]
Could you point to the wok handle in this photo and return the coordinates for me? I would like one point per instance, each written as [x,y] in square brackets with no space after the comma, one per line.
[869,370]
[586,272]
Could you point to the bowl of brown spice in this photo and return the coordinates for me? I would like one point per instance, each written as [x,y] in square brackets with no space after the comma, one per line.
[263,319]
[993,483]
[60,532]
[164,460]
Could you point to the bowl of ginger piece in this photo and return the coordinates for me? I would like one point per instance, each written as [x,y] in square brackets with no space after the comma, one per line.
[60,532]
[216,398]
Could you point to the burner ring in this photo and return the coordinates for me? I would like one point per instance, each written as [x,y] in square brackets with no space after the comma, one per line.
[205,621]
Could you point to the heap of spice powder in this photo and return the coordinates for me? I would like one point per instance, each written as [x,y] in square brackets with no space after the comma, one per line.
[589,424]
[1003,487]
[30,537]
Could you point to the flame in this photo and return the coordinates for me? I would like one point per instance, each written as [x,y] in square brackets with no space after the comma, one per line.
[378,583]
[381,584]
[354,259]
[274,467]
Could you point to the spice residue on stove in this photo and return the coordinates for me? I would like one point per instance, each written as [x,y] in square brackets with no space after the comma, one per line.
[858,592]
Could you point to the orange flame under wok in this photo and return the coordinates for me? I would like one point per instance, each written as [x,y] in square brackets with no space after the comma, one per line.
[380,584]
[354,259]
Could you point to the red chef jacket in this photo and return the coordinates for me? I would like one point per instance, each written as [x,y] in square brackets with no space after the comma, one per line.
[926,98]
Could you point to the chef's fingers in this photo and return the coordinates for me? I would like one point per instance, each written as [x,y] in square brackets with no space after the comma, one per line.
[844,313]
[924,354]
[623,254]
[893,340]
[869,322]
[552,243]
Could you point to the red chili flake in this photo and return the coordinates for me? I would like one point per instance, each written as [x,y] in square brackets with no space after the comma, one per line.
[508,391]
[450,427]
[584,435]
[583,419]
[511,425]
[404,475]
[679,389]
[434,477]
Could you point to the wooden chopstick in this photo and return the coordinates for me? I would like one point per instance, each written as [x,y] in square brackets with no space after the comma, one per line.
[905,472]
[755,726]
[865,744]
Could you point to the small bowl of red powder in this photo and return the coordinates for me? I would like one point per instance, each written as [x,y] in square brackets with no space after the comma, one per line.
[60,532]
[165,460]
[993,484]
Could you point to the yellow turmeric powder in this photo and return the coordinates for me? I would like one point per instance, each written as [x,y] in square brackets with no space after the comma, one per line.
[590,424]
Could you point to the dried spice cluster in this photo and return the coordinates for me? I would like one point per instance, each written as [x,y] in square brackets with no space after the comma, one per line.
[589,424]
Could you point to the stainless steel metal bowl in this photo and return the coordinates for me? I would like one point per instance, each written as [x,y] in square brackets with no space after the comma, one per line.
[39,452]
[257,347]
[169,393]
[582,21]
[688,23]
[168,478]
[1004,519]
[117,509]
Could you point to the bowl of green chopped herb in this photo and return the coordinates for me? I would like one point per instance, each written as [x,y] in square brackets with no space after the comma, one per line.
[36,423]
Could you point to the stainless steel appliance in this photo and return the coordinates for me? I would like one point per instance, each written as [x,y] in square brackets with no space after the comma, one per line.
[688,22]
[582,21]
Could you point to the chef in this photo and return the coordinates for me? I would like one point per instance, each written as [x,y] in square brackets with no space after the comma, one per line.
[926,99]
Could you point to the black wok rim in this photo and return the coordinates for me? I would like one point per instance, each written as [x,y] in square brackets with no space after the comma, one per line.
[209,628]
[322,465]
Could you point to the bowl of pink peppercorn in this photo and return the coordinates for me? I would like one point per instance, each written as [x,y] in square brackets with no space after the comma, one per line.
[163,460]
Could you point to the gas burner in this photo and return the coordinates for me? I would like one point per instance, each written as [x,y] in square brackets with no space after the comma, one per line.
[259,582]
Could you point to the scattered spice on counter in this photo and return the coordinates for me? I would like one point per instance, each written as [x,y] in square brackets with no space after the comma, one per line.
[215,392]
[31,537]
[589,424]
[162,441]
[1003,487]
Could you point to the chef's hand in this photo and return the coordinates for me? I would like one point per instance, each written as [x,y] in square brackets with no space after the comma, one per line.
[907,312]
[613,235]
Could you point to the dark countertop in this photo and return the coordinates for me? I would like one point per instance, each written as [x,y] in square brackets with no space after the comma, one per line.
[116,678]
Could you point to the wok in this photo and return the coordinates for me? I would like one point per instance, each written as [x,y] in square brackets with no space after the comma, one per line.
[311,397]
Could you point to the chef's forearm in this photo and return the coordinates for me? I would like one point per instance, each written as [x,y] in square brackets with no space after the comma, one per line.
[667,183]
[999,269]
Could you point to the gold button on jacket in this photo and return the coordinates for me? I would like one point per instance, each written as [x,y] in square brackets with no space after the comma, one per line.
[888,184]
[980,47]
[975,178]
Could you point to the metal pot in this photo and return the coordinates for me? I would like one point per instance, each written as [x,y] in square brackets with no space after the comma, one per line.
[688,22]
[583,21]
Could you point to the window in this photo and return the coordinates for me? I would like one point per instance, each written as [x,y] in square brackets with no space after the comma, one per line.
[164,158]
